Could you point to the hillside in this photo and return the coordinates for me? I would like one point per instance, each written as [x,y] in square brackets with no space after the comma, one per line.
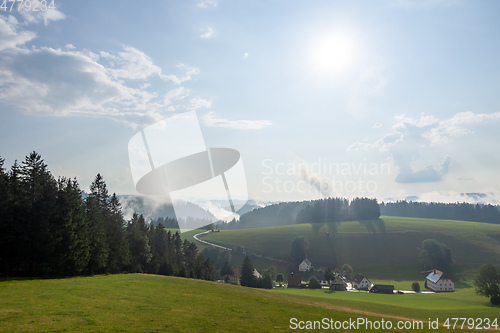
[384,248]
[150,303]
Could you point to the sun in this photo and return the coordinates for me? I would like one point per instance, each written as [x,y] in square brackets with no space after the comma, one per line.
[333,52]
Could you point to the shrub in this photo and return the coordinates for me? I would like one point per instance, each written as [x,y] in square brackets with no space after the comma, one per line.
[314,283]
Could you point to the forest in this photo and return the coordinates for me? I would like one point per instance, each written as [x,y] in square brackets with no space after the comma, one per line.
[315,211]
[47,229]
[449,211]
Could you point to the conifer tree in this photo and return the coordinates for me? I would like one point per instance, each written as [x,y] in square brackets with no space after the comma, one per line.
[118,256]
[247,278]
[97,204]
[40,188]
[140,251]
[71,230]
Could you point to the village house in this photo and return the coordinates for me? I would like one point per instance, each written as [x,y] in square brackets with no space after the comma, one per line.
[235,278]
[256,274]
[382,288]
[305,265]
[439,282]
[360,282]
[294,280]
[338,283]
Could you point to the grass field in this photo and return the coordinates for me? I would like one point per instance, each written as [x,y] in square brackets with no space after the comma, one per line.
[385,248]
[149,303]
[464,303]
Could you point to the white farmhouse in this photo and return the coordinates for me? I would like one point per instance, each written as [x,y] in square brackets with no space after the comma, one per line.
[305,265]
[360,282]
[438,281]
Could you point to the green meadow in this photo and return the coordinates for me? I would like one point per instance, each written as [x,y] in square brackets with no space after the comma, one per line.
[147,303]
[464,303]
[381,249]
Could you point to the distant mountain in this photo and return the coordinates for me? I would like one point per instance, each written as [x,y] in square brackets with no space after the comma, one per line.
[154,207]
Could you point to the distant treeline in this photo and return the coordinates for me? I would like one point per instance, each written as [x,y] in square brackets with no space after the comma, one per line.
[48,230]
[449,211]
[316,211]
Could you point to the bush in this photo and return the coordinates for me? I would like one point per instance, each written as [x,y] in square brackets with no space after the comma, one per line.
[416,287]
[487,283]
[314,283]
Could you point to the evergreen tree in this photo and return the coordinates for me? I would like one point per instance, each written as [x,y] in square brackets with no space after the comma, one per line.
[97,213]
[226,269]
[247,278]
[5,220]
[140,251]
[40,189]
[71,230]
[15,239]
[267,282]
[118,247]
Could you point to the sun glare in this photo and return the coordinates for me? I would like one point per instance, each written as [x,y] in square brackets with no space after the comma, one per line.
[333,52]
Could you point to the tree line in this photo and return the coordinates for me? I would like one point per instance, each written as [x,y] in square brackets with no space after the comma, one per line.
[315,211]
[448,211]
[47,229]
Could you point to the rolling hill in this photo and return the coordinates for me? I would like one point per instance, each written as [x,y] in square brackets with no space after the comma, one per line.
[384,248]
[148,303]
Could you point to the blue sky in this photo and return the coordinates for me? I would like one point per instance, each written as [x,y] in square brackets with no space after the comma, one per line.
[387,99]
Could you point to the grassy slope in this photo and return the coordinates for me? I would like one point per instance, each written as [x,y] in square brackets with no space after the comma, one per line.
[152,303]
[156,303]
[380,249]
[463,303]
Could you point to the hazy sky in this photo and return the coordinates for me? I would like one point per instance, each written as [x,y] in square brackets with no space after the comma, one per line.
[387,99]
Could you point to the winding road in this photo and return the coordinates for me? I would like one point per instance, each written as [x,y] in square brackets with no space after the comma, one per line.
[229,249]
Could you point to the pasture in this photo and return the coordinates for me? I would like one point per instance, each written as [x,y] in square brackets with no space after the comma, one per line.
[384,249]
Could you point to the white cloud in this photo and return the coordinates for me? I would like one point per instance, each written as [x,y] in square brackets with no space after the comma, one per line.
[410,136]
[454,197]
[208,33]
[210,120]
[10,38]
[32,16]
[198,103]
[131,64]
[245,55]
[188,75]
[176,95]
[451,128]
[206,3]
[71,82]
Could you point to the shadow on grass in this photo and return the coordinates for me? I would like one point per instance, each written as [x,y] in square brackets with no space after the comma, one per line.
[374,226]
[463,284]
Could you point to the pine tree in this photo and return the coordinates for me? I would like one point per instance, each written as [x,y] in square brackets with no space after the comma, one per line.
[97,205]
[118,256]
[247,278]
[140,251]
[71,230]
[15,238]
[5,221]
[40,188]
